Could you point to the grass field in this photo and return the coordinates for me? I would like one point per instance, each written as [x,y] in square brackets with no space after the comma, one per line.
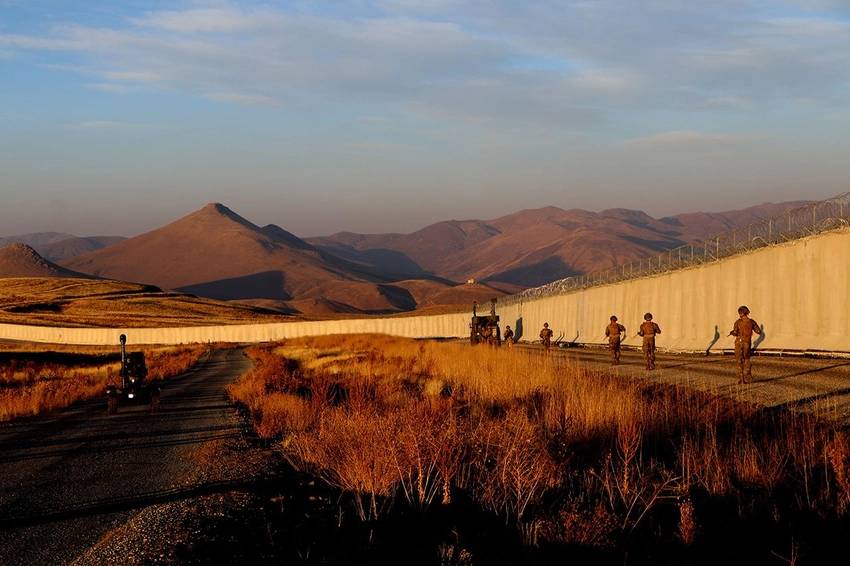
[91,302]
[41,379]
[569,458]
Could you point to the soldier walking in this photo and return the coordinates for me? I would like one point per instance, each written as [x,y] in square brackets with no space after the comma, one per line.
[649,330]
[743,331]
[509,336]
[546,336]
[614,331]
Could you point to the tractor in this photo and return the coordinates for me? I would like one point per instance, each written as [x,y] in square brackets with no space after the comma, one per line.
[485,329]
[134,386]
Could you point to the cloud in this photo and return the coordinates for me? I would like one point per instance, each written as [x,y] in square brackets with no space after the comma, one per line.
[133,76]
[206,20]
[106,125]
[114,88]
[683,139]
[243,98]
[488,63]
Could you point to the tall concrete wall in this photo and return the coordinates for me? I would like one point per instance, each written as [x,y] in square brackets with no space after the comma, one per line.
[799,292]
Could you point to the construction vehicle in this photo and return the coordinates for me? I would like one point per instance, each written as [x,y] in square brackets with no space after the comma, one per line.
[484,329]
[134,387]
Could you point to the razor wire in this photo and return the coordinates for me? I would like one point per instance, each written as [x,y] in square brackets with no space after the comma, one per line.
[794,224]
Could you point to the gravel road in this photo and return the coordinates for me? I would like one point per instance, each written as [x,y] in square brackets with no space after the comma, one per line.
[70,481]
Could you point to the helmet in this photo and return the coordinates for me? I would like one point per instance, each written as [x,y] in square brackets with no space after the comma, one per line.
[545,325]
[743,310]
[647,316]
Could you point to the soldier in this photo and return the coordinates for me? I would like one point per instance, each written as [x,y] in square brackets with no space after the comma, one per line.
[509,336]
[649,330]
[546,335]
[614,332]
[743,331]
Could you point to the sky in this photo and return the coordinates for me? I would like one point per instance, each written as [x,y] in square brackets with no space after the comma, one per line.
[371,116]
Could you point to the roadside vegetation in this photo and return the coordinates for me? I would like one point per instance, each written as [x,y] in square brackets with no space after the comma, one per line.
[37,379]
[551,459]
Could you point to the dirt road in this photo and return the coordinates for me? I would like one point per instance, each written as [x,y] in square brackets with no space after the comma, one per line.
[821,385]
[68,481]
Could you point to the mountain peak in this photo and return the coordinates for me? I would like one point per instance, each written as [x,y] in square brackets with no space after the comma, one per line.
[217,207]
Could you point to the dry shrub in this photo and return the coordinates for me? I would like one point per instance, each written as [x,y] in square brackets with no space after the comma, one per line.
[282,413]
[704,461]
[512,466]
[380,416]
[760,464]
[578,525]
[687,521]
[354,452]
[838,454]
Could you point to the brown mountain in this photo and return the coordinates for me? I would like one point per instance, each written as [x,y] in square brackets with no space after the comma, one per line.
[20,260]
[216,253]
[700,225]
[58,246]
[74,246]
[532,247]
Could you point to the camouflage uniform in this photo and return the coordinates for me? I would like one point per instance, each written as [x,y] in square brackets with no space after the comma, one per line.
[509,336]
[613,332]
[546,337]
[743,331]
[649,330]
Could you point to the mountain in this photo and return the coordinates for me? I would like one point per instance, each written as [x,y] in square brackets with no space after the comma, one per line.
[701,225]
[57,246]
[74,246]
[216,253]
[21,260]
[533,247]
[36,239]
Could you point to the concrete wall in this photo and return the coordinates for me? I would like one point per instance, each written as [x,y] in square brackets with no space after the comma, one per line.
[798,291]
[441,326]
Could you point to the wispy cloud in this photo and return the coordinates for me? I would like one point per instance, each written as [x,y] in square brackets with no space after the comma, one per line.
[243,98]
[475,61]
[684,139]
[114,88]
[107,125]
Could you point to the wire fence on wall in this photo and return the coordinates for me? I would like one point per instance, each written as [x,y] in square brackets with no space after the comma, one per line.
[794,224]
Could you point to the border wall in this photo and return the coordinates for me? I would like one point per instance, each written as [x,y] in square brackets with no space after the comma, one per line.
[799,291]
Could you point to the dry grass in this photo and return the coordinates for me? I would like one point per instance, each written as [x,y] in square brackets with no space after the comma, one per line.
[386,418]
[36,382]
[48,301]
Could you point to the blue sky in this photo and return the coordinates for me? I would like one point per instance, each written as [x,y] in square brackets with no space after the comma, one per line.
[116,117]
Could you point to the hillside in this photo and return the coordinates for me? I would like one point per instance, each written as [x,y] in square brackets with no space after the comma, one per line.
[20,260]
[533,247]
[53,301]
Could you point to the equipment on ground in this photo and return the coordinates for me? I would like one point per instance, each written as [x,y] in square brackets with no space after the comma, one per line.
[134,386]
[485,329]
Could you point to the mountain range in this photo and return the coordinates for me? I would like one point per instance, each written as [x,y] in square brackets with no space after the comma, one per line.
[214,252]
[533,247]
[57,246]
